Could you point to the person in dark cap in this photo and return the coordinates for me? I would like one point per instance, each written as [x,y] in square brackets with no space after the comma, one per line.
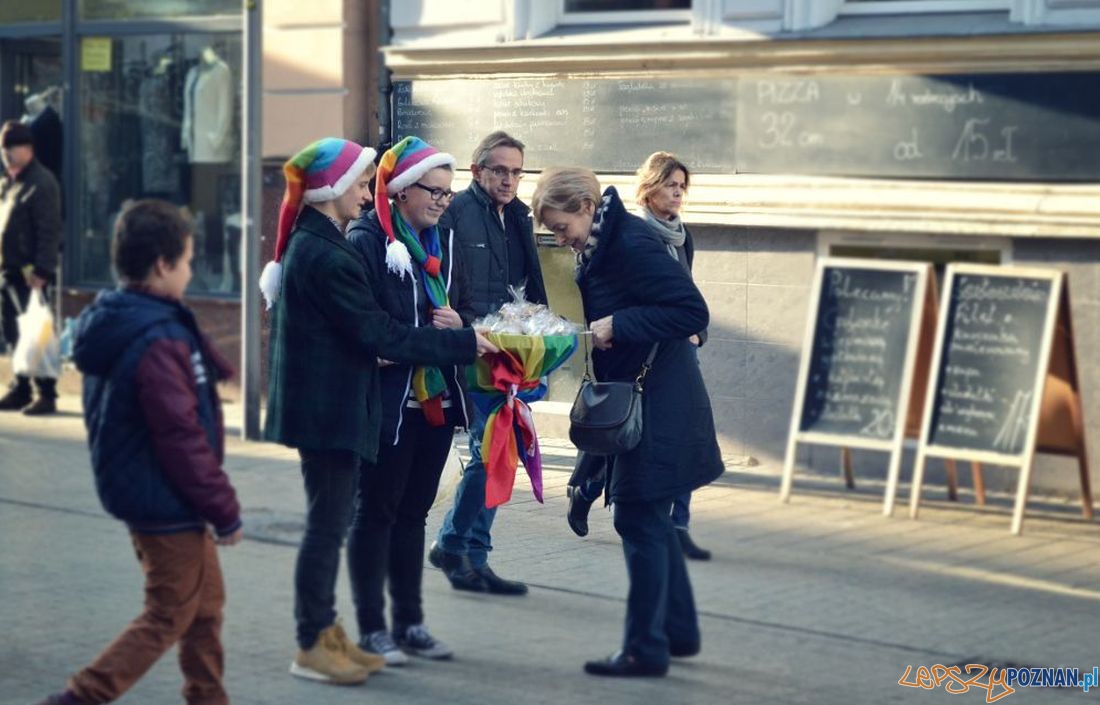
[30,232]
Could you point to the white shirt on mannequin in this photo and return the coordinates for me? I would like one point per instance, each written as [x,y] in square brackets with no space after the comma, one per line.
[207,129]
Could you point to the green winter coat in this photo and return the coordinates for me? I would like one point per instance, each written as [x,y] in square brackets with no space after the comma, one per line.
[327,334]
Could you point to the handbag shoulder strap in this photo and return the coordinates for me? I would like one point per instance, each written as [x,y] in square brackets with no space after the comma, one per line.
[640,381]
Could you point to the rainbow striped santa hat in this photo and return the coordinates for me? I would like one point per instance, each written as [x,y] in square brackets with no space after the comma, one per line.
[323,171]
[401,166]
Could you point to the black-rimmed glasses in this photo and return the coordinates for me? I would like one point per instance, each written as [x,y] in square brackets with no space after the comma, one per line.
[436,194]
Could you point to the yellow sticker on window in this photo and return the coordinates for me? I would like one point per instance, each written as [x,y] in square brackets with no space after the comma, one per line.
[95,54]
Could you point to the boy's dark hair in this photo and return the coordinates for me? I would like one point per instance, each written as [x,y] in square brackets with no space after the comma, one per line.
[146,231]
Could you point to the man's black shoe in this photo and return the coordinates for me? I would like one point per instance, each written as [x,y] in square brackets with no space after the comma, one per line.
[684,650]
[624,665]
[437,556]
[578,511]
[15,399]
[691,550]
[41,407]
[498,585]
[469,580]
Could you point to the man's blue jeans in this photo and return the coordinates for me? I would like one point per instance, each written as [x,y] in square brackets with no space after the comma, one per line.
[466,527]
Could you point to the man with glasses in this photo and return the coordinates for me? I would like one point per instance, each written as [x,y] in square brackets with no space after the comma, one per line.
[496,237]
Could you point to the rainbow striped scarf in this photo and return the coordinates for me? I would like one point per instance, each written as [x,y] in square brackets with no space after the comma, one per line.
[428,384]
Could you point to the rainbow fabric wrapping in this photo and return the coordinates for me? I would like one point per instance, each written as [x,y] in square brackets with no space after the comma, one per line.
[502,385]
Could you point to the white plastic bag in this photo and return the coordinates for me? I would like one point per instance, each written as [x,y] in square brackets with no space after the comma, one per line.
[448,481]
[37,353]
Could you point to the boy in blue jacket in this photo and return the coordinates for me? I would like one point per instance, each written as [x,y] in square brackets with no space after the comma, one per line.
[156,436]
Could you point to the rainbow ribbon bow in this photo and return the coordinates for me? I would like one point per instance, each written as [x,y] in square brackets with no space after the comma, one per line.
[502,386]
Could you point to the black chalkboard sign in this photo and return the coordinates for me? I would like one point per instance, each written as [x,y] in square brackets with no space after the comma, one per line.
[859,351]
[1004,378]
[1005,126]
[870,324]
[1033,126]
[605,124]
[987,379]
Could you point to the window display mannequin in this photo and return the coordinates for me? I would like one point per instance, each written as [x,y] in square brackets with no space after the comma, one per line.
[45,123]
[208,111]
[207,137]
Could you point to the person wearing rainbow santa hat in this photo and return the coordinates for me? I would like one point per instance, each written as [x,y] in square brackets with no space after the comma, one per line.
[327,333]
[419,280]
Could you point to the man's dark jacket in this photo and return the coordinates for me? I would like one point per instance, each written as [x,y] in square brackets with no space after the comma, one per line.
[30,221]
[153,416]
[327,334]
[404,299]
[476,222]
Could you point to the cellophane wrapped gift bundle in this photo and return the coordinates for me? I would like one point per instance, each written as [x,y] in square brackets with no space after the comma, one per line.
[533,342]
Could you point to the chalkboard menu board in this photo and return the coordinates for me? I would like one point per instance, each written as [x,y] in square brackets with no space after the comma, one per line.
[867,345]
[1018,126]
[858,356]
[605,124]
[988,377]
[1038,126]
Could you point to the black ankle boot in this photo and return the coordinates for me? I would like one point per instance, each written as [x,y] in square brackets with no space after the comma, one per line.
[578,511]
[18,396]
[43,406]
[691,550]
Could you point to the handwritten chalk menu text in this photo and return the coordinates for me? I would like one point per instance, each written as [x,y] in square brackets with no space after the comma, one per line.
[859,344]
[981,126]
[1018,126]
[990,360]
[605,124]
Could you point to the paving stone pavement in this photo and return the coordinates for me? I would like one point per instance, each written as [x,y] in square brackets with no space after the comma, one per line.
[819,601]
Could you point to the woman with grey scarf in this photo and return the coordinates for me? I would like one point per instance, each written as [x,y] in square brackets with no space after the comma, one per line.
[662,184]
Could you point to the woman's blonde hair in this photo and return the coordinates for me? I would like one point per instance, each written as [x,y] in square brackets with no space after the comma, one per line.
[564,189]
[656,169]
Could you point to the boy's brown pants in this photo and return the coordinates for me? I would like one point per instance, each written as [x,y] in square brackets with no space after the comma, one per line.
[184,595]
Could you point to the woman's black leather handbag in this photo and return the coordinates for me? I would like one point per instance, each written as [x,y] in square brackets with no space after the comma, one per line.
[606,418]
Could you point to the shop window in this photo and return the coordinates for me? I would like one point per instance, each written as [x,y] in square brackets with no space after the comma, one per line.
[144,9]
[897,7]
[12,11]
[623,11]
[160,118]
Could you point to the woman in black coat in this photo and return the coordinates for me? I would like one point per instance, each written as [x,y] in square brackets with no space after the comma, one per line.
[663,182]
[634,295]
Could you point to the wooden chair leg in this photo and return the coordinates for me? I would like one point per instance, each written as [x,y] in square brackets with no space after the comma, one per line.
[846,463]
[979,483]
[1086,489]
[952,479]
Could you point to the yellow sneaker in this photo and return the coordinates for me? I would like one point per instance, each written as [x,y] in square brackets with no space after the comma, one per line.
[328,661]
[372,662]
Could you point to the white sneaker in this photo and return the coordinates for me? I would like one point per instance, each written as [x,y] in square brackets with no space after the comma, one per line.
[417,640]
[381,643]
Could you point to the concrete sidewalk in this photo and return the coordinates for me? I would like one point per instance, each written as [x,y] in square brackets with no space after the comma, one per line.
[819,601]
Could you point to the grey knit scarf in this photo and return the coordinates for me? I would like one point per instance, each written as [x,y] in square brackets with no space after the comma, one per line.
[672,231]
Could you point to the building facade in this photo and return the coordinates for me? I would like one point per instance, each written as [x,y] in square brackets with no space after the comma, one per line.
[935,130]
